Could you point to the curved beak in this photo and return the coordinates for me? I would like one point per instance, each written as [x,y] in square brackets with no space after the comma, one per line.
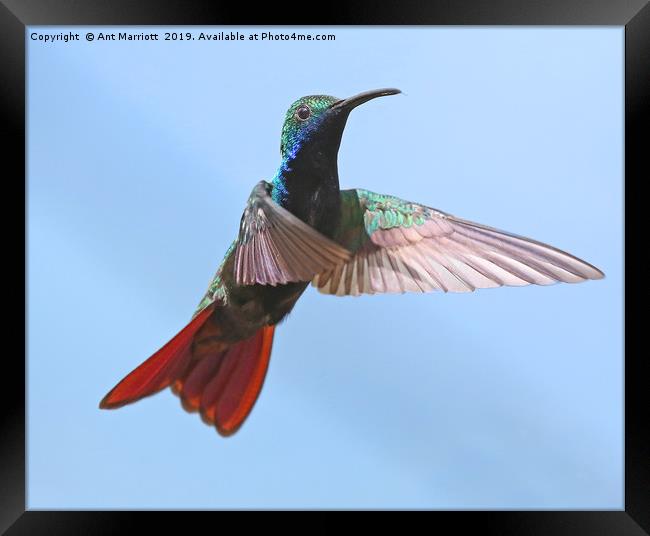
[352,102]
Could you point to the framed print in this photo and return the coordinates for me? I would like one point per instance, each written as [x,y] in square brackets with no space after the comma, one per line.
[145,135]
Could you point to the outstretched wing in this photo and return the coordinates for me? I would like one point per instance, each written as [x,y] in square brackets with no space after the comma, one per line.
[401,246]
[275,247]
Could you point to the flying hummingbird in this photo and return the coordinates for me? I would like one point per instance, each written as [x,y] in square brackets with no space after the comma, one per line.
[301,228]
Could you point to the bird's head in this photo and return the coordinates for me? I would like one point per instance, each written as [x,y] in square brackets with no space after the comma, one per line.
[317,121]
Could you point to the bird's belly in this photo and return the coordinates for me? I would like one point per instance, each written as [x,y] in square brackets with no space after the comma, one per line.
[251,307]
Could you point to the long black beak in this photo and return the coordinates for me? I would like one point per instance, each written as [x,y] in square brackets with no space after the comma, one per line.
[352,102]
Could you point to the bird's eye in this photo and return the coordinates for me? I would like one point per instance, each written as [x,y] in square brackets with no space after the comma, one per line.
[303,112]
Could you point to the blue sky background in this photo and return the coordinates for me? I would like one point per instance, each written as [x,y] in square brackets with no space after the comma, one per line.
[140,159]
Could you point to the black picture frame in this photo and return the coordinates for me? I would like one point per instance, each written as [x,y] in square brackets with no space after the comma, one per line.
[634,15]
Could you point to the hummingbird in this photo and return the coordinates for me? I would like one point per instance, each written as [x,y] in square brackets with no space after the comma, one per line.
[301,228]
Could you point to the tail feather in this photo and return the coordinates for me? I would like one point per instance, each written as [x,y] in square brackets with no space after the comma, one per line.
[198,376]
[231,394]
[223,383]
[159,370]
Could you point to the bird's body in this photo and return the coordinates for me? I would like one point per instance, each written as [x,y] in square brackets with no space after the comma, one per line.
[307,185]
[300,228]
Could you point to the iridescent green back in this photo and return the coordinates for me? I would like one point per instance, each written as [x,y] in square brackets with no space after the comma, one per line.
[216,288]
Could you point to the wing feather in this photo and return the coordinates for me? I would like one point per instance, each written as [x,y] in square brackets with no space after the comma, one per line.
[401,246]
[275,247]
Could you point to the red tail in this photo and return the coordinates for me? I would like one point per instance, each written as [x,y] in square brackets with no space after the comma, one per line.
[222,385]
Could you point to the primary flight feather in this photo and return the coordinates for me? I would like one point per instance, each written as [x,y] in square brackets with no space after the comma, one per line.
[301,228]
